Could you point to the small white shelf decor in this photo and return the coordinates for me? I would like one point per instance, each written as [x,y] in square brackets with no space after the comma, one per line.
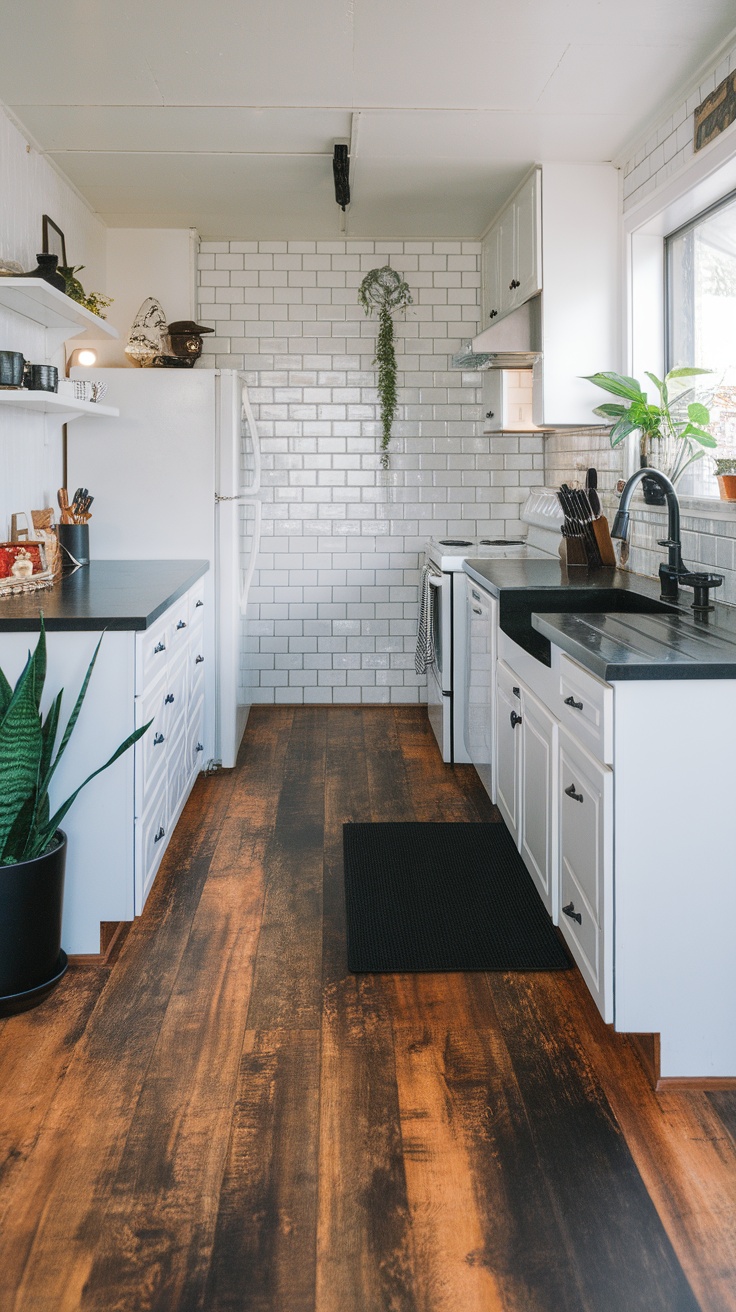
[43,304]
[64,408]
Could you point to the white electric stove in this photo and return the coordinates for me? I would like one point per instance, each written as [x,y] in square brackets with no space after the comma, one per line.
[446,678]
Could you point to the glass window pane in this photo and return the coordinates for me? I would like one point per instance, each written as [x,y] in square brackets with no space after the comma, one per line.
[701,298]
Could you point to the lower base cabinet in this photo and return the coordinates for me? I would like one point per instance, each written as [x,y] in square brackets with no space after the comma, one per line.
[508,747]
[586,867]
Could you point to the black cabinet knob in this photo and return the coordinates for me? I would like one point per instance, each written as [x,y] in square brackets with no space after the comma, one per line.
[199,660]
[570,911]
[160,646]
[489,414]
[157,837]
[493,314]
[158,739]
[516,692]
[576,797]
[570,701]
[182,624]
[514,284]
[199,603]
[515,719]
[199,747]
[168,699]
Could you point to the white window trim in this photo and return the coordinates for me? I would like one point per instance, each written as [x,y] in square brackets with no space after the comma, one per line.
[705,179]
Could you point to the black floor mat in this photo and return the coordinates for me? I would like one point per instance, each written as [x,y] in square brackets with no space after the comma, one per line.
[443,897]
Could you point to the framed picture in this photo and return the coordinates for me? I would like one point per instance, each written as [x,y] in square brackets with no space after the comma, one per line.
[53,240]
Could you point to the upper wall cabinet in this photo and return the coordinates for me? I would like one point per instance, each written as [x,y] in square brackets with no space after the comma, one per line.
[512,252]
[559,234]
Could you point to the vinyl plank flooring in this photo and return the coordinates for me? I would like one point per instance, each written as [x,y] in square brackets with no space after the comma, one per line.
[229,1119]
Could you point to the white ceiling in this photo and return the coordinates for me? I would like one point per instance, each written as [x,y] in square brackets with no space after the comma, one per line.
[223,115]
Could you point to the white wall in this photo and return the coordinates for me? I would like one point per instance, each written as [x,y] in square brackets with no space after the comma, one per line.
[334,606]
[142,262]
[30,445]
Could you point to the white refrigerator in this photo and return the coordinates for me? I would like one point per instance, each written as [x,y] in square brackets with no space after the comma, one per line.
[178,476]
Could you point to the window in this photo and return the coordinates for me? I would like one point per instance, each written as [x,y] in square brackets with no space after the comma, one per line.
[701,325]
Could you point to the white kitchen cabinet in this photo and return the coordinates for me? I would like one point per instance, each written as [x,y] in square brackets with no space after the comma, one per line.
[511,254]
[479,710]
[586,867]
[538,805]
[508,748]
[559,234]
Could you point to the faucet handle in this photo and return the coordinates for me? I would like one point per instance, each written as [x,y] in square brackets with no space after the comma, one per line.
[667,542]
[701,585]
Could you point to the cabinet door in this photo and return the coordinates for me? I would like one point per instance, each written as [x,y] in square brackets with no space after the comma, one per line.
[491,277]
[586,867]
[538,832]
[508,747]
[507,260]
[527,240]
[479,701]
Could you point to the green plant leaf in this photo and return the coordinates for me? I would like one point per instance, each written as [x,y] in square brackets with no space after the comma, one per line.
[610,411]
[6,692]
[686,372]
[21,745]
[617,385]
[699,435]
[45,835]
[621,430]
[698,413]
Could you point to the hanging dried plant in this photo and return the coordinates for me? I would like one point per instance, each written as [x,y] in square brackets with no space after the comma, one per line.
[385,291]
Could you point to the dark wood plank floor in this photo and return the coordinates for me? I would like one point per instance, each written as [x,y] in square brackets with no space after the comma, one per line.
[226,1119]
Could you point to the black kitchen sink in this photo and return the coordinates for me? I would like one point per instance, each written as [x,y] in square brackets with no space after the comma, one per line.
[518,605]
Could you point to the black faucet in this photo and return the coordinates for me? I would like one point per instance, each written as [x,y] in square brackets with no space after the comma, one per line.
[675,571]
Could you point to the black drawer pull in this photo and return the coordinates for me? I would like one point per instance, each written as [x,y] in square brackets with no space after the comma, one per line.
[157,837]
[199,603]
[570,701]
[570,911]
[477,610]
[474,594]
[199,747]
[493,314]
[516,692]
[199,660]
[182,624]
[168,699]
[515,719]
[514,284]
[160,646]
[576,797]
[158,738]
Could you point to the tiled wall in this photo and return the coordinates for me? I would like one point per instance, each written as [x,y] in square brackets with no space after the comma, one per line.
[30,445]
[335,598]
[668,146]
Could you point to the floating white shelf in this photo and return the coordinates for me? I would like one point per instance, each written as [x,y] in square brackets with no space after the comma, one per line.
[64,408]
[43,304]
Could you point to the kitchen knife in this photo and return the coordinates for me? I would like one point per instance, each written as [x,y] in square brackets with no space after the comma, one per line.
[591,488]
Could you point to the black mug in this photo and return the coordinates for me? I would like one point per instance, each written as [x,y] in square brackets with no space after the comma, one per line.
[11,369]
[74,543]
[44,378]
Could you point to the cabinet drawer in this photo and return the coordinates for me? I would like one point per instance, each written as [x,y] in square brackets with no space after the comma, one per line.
[177,692]
[584,935]
[150,750]
[195,737]
[177,769]
[151,653]
[586,708]
[196,599]
[196,670]
[151,840]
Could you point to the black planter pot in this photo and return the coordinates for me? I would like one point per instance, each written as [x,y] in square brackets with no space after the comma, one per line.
[31,902]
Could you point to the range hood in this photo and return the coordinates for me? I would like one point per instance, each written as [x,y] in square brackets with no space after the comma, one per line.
[513,343]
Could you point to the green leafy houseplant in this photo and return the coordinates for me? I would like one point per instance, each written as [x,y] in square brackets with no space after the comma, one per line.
[676,422]
[28,759]
[93,301]
[385,291]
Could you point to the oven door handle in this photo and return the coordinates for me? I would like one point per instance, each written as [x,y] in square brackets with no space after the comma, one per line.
[435,580]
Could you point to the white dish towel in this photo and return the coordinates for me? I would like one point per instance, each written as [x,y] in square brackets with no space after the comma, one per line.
[425,645]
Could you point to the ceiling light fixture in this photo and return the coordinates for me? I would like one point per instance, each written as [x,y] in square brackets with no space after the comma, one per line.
[341,174]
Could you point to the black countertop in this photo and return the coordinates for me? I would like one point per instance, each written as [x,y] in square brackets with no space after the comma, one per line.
[610,621]
[106,594]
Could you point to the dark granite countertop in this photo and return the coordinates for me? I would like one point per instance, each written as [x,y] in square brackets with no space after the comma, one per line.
[610,621]
[106,594]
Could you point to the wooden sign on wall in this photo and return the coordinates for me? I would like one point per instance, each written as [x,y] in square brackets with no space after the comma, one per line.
[716,113]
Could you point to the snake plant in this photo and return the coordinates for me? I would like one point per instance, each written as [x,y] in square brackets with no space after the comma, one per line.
[28,759]
[386,291]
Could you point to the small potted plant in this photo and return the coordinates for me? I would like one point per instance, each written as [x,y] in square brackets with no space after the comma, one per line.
[672,434]
[726,475]
[32,845]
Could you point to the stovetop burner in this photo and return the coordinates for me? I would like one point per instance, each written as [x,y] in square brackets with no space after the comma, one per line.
[455,542]
[502,542]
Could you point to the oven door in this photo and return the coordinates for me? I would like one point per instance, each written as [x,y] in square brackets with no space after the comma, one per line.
[439,675]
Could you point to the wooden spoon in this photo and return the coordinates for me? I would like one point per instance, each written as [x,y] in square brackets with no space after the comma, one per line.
[66,515]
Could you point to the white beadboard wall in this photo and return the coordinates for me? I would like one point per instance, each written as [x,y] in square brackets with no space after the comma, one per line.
[30,444]
[334,607]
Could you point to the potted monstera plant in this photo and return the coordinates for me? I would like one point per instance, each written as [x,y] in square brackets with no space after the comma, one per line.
[32,844]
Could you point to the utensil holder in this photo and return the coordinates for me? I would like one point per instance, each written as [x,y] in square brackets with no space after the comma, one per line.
[74,543]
